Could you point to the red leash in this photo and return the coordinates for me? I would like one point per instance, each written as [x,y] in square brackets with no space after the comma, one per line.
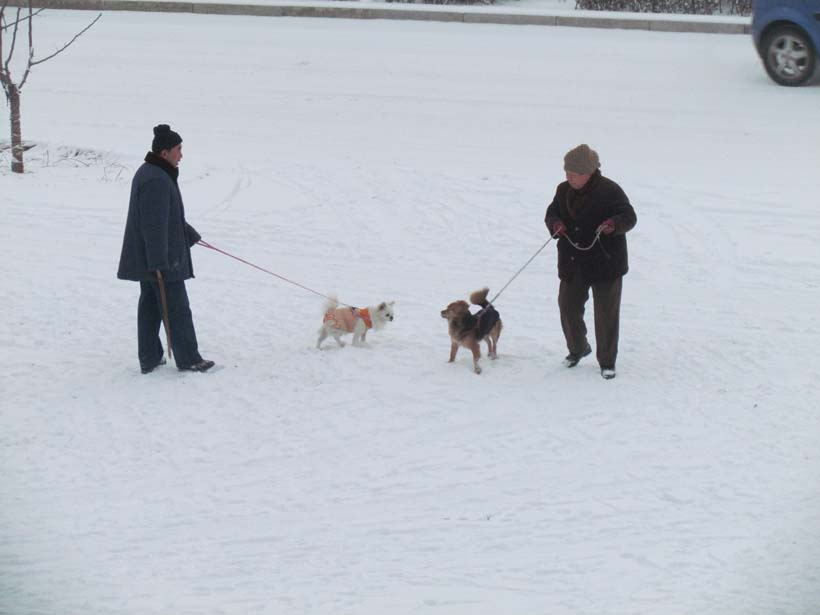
[205,244]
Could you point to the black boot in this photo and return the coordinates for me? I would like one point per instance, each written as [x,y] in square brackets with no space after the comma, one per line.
[571,360]
[608,373]
[148,370]
[201,366]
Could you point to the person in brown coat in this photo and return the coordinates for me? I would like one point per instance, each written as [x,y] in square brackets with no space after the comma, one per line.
[585,207]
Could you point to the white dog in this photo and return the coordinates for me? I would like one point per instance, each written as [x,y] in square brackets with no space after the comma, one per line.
[338,321]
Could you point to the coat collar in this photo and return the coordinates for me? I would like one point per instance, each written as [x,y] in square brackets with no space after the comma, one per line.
[575,199]
[590,185]
[154,159]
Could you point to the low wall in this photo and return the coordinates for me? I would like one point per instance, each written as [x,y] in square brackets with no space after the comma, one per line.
[634,21]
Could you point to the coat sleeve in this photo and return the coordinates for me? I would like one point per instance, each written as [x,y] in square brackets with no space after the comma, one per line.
[624,214]
[155,208]
[553,214]
[191,234]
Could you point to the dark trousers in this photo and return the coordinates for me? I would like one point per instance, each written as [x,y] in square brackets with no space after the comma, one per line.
[606,299]
[149,320]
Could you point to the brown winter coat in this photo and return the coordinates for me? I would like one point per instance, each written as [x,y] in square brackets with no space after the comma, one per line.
[582,212]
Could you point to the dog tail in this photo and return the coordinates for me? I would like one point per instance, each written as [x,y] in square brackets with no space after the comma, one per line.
[479,297]
[331,303]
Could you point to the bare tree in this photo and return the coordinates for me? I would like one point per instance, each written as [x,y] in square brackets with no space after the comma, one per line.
[11,87]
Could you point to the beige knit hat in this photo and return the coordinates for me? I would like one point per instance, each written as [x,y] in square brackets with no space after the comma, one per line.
[582,160]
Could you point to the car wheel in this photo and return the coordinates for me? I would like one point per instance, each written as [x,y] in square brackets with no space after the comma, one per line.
[788,55]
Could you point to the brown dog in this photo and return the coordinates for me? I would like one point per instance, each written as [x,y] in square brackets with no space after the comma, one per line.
[468,329]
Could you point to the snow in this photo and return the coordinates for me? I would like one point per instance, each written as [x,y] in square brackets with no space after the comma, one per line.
[411,162]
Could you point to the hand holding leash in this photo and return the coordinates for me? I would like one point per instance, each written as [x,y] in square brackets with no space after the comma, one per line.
[607,227]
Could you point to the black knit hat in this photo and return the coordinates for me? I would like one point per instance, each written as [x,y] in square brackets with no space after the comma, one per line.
[164,138]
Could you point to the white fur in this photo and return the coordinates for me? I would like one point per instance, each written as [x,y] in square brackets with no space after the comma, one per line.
[380,315]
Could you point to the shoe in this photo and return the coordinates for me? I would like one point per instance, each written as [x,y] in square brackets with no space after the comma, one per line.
[148,370]
[571,360]
[202,366]
[607,373]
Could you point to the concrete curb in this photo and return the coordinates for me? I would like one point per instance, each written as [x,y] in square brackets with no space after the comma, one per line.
[632,22]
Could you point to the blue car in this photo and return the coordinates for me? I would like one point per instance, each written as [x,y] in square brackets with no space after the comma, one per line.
[787,37]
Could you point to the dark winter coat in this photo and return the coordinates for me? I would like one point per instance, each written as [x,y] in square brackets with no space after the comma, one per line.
[157,237]
[582,212]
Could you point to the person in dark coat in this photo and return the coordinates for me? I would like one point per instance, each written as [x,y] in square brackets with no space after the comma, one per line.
[156,252]
[585,206]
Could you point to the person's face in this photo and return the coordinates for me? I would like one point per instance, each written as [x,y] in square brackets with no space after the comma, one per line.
[578,180]
[173,155]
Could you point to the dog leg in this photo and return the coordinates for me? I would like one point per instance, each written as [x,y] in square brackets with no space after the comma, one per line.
[476,349]
[337,335]
[453,351]
[359,330]
[494,335]
[322,337]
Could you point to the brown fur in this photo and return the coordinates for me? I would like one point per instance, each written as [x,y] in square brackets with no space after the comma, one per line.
[463,328]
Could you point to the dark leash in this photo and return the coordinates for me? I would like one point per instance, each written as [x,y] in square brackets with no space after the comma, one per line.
[537,252]
[205,244]
[165,320]
[532,258]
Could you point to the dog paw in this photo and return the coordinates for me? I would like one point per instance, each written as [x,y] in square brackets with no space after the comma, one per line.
[477,369]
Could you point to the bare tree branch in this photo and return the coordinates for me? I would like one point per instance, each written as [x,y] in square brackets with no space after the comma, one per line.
[30,48]
[12,89]
[5,76]
[13,39]
[2,20]
[64,47]
[13,42]
[7,26]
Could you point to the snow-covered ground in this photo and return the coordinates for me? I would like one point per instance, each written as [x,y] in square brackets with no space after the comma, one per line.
[410,162]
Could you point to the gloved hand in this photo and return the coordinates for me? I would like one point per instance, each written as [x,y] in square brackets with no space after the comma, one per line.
[607,226]
[558,228]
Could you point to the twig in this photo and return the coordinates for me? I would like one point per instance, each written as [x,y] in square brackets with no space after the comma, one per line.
[7,26]
[64,47]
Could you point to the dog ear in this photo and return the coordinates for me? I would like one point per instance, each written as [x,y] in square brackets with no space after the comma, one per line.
[382,306]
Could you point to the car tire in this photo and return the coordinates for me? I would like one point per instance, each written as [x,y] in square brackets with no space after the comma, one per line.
[788,55]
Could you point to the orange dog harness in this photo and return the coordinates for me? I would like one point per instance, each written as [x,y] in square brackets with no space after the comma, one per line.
[345,318]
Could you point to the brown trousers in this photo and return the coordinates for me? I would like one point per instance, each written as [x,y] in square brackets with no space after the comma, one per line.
[606,299]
